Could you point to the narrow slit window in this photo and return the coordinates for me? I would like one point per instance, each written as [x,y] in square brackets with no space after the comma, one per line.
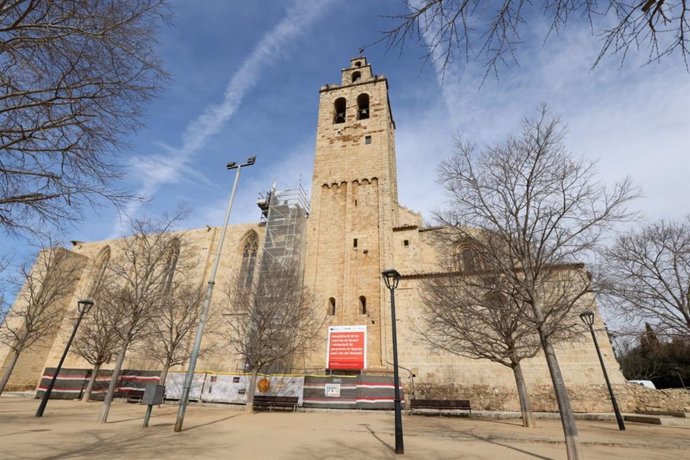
[331,306]
[406,243]
[354,243]
[367,140]
[362,305]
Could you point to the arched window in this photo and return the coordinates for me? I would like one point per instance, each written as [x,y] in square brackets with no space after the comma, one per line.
[249,250]
[469,260]
[340,106]
[362,305]
[356,76]
[171,264]
[362,106]
[331,306]
[98,272]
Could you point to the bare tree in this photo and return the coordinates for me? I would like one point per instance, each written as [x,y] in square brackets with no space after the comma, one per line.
[44,290]
[647,276]
[537,209]
[272,321]
[134,284]
[74,77]
[471,313]
[493,31]
[169,340]
[98,339]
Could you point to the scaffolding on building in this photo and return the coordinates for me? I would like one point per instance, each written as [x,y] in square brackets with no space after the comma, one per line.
[285,215]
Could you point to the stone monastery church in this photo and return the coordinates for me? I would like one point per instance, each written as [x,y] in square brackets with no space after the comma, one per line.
[352,229]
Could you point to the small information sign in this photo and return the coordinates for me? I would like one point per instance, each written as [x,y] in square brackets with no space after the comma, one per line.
[332,390]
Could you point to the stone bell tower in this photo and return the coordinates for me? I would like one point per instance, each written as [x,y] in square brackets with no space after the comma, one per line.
[353,204]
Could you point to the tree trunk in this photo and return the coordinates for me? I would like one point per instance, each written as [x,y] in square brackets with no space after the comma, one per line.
[92,381]
[572,439]
[525,410]
[14,356]
[249,408]
[105,408]
[164,374]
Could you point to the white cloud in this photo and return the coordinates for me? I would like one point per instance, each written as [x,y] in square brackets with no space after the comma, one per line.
[159,169]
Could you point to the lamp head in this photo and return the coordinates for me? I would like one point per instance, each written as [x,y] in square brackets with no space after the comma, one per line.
[391,277]
[587,317]
[251,161]
[231,165]
[85,305]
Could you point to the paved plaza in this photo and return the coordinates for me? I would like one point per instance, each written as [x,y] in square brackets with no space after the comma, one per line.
[69,430]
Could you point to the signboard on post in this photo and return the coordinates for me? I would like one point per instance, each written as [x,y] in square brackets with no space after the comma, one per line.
[347,347]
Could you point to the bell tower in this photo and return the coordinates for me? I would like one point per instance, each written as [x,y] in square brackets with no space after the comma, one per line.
[353,204]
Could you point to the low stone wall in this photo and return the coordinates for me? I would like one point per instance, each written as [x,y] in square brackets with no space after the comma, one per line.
[589,398]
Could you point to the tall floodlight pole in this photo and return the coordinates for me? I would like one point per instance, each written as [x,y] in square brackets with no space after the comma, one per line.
[391,277]
[184,399]
[588,318]
[83,306]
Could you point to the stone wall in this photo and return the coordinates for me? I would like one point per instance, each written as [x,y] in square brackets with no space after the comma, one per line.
[584,398]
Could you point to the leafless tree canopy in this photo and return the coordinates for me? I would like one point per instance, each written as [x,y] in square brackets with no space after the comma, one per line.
[476,316]
[169,340]
[98,340]
[273,320]
[648,276]
[135,279]
[492,31]
[531,210]
[74,76]
[471,313]
[42,288]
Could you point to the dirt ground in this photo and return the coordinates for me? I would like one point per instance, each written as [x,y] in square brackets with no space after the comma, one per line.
[69,429]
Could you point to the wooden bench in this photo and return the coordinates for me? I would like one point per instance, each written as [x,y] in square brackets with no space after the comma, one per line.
[441,404]
[277,402]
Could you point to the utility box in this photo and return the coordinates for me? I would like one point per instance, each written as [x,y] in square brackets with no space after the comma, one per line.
[153,394]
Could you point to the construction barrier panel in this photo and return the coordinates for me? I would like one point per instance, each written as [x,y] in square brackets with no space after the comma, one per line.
[333,392]
[71,383]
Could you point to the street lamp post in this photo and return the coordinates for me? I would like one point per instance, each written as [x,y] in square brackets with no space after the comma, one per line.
[588,318]
[184,399]
[391,277]
[83,306]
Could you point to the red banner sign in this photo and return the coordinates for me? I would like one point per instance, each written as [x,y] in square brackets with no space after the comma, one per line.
[347,347]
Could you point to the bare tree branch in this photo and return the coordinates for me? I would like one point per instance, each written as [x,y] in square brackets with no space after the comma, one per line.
[74,77]
[40,305]
[471,313]
[648,276]
[491,31]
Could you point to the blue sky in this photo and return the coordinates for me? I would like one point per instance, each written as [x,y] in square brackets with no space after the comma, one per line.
[245,81]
